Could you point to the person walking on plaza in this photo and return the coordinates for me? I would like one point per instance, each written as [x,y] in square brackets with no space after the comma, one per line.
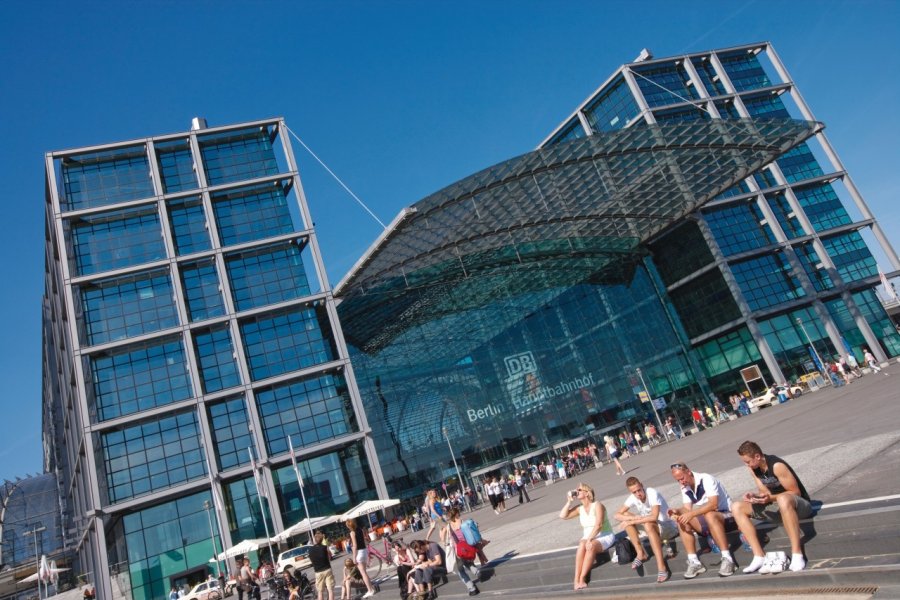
[706,505]
[522,482]
[871,362]
[646,507]
[780,496]
[453,535]
[435,510]
[853,365]
[591,515]
[614,453]
[360,554]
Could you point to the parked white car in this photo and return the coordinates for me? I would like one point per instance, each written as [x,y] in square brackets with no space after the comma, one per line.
[208,590]
[294,559]
[771,395]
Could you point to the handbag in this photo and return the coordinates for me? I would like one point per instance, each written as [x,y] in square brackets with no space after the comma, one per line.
[624,551]
[776,562]
[450,557]
[465,551]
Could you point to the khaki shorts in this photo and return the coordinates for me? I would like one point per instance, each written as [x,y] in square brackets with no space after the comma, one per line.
[772,512]
[324,581]
[668,530]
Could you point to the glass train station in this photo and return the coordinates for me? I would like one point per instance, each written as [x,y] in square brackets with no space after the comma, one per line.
[690,219]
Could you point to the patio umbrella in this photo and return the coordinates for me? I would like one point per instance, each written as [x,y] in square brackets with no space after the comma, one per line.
[242,547]
[366,507]
[304,526]
[35,576]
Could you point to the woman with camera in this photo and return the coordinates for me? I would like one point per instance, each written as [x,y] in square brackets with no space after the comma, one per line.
[591,515]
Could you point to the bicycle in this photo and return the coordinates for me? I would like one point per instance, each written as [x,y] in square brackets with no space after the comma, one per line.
[377,559]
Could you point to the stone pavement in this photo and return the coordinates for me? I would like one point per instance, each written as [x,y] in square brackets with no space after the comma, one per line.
[843,442]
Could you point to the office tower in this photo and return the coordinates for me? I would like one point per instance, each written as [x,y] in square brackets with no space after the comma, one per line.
[188,322]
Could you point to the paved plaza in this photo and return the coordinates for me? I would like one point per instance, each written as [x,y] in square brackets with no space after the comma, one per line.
[843,442]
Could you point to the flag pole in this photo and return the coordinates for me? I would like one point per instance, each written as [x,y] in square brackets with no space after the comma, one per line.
[302,492]
[261,495]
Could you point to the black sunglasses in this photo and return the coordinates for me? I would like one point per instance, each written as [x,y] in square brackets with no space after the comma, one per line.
[681,466]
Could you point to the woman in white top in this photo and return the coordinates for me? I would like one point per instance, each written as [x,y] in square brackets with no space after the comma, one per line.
[591,515]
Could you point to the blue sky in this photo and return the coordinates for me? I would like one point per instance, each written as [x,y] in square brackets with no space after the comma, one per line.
[399,98]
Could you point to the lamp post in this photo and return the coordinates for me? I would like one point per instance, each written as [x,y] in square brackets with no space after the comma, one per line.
[819,362]
[37,559]
[653,406]
[212,536]
[458,476]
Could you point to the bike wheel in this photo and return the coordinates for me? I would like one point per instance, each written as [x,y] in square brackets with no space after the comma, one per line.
[307,592]
[373,566]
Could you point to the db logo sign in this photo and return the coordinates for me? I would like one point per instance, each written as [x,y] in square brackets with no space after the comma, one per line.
[518,364]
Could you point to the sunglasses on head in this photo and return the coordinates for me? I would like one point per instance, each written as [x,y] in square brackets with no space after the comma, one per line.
[681,466]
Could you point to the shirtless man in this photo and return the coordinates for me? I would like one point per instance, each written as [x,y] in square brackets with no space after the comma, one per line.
[705,507]
[650,510]
[779,496]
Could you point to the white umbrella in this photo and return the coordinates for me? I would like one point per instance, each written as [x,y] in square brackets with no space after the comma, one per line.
[304,526]
[242,547]
[35,576]
[366,507]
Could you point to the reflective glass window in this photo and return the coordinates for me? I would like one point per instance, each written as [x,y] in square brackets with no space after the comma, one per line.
[571,131]
[727,109]
[613,107]
[128,380]
[708,76]
[737,189]
[142,458]
[215,358]
[728,352]
[682,113]
[822,206]
[310,411]
[765,105]
[744,71]
[333,483]
[105,177]
[176,166]
[680,252]
[799,164]
[113,309]
[238,155]
[253,213]
[851,256]
[738,227]
[813,266]
[113,240]
[189,228]
[765,179]
[664,84]
[785,215]
[231,432]
[850,334]
[286,341]
[792,338]
[166,540]
[245,518]
[766,281]
[705,303]
[203,295]
[879,322]
[261,276]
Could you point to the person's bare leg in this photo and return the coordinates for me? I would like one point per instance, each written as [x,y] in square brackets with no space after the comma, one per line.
[791,521]
[652,530]
[365,577]
[686,533]
[742,512]
[587,564]
[632,532]
[716,523]
[579,560]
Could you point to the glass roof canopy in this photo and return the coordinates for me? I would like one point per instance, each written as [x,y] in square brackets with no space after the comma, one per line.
[544,221]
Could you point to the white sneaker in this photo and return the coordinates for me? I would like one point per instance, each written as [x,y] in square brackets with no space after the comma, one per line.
[798,562]
[368,594]
[755,565]
[766,567]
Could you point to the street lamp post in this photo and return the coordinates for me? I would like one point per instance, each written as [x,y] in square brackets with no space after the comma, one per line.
[37,559]
[212,537]
[820,364]
[653,406]
[458,476]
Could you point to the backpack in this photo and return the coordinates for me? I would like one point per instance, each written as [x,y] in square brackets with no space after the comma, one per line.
[624,550]
[470,532]
[465,551]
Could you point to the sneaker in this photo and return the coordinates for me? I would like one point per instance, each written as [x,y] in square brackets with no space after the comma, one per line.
[798,562]
[694,569]
[727,568]
[755,565]
[474,591]
[368,594]
[766,568]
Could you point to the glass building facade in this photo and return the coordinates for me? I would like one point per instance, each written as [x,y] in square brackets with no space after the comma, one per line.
[526,308]
[188,322]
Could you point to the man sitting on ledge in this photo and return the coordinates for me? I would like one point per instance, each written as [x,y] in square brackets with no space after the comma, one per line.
[780,496]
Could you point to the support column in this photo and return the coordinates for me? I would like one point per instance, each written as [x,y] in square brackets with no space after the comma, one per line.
[863,326]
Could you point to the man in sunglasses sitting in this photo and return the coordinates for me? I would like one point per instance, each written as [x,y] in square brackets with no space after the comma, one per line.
[706,506]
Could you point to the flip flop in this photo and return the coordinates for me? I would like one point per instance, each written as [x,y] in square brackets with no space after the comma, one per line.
[663,576]
[637,563]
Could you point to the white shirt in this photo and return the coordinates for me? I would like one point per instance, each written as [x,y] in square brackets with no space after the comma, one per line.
[644,509]
[705,487]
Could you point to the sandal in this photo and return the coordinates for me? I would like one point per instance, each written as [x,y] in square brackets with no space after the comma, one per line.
[637,563]
[663,576]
